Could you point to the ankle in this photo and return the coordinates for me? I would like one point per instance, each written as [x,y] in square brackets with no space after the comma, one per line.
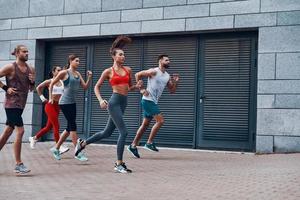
[119,162]
[83,144]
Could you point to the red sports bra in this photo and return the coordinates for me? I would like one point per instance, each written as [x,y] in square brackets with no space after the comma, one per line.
[116,79]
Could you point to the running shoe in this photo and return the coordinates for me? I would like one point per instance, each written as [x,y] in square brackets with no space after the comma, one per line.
[122,168]
[55,153]
[133,151]
[81,157]
[78,147]
[151,147]
[63,149]
[21,169]
[32,142]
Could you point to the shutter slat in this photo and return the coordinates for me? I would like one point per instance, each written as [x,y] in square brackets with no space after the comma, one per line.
[227,89]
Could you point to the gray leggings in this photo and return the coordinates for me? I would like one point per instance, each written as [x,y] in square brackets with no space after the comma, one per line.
[116,107]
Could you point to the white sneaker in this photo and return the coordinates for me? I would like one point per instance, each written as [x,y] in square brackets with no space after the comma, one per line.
[63,149]
[32,142]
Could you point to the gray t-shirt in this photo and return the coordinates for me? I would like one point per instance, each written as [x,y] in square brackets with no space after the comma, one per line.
[156,85]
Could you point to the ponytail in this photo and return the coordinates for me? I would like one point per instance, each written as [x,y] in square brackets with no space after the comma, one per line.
[119,43]
[52,71]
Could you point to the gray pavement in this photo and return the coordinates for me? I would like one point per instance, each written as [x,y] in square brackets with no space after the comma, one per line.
[169,174]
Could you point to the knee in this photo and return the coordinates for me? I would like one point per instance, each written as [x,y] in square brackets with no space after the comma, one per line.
[160,121]
[145,124]
[20,134]
[123,134]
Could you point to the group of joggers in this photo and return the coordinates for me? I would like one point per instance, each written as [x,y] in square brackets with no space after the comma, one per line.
[63,87]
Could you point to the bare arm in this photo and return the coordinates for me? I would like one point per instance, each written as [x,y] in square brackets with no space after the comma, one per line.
[31,78]
[140,75]
[86,84]
[60,76]
[6,71]
[104,76]
[138,84]
[2,84]
[40,88]
[172,83]
[144,73]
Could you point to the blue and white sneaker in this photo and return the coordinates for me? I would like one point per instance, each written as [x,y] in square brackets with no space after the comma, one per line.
[78,147]
[55,152]
[151,147]
[122,168]
[21,169]
[81,157]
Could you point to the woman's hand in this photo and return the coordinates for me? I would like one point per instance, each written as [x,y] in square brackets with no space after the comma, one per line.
[51,101]
[103,104]
[89,74]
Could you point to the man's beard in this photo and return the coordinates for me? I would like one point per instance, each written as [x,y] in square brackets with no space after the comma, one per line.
[166,66]
[24,59]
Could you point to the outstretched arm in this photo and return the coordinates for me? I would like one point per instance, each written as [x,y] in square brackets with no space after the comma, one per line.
[86,84]
[172,83]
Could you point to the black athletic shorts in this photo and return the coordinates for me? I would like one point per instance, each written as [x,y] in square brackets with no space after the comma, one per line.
[14,117]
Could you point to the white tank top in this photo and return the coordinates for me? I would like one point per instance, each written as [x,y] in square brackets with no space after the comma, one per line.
[156,85]
[58,89]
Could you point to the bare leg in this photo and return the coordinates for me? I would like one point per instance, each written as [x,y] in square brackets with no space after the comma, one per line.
[5,135]
[74,137]
[18,144]
[159,122]
[63,137]
[141,131]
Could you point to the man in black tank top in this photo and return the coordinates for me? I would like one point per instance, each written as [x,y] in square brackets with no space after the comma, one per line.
[19,79]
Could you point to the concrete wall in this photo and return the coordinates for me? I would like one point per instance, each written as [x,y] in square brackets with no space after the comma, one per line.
[277,21]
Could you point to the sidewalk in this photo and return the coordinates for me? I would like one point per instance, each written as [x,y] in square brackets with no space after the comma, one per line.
[169,174]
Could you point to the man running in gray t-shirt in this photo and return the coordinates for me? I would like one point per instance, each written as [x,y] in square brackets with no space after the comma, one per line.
[158,79]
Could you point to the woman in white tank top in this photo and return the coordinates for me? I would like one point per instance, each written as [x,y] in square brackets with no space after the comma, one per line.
[52,110]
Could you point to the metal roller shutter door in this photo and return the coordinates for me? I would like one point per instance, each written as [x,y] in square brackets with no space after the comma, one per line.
[58,55]
[226,107]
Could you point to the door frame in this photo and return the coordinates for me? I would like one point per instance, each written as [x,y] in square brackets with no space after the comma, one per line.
[253,35]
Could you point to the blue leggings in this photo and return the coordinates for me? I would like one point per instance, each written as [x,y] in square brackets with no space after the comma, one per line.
[116,107]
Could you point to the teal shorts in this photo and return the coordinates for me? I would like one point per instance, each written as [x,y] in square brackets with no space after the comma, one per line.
[150,108]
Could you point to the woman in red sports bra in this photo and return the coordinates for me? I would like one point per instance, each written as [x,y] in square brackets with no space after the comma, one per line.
[119,78]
